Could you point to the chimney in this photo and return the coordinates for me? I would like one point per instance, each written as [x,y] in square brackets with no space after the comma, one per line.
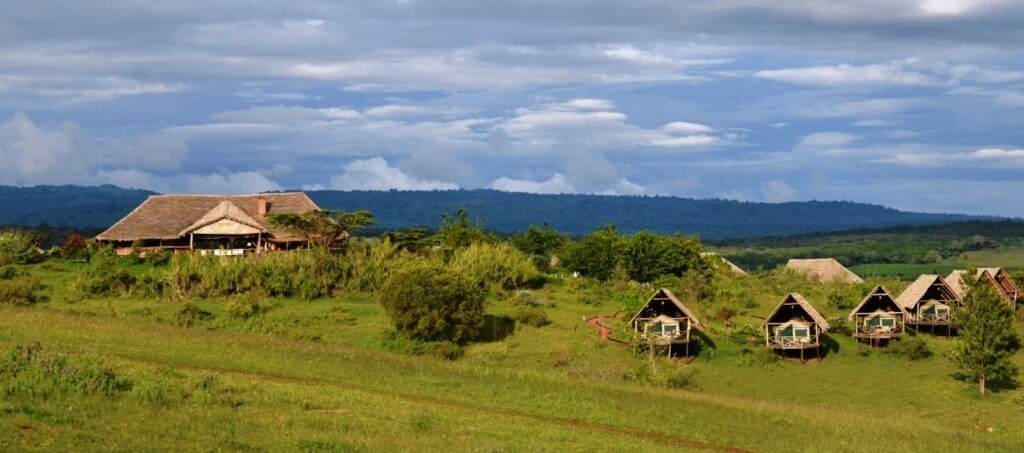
[261,206]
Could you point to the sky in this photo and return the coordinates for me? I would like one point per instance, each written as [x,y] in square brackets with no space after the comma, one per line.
[913,104]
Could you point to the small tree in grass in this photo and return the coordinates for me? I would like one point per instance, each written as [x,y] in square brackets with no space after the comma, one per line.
[433,303]
[987,337]
[322,228]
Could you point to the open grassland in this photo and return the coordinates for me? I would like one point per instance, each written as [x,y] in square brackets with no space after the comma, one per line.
[1010,259]
[320,376]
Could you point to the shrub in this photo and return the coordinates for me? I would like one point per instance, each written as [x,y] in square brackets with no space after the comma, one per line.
[840,325]
[244,308]
[103,277]
[189,315]
[22,291]
[527,311]
[434,303]
[75,248]
[498,264]
[19,247]
[8,272]
[913,348]
[29,372]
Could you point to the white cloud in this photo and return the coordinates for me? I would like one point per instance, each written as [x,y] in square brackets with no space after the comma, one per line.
[684,127]
[376,174]
[556,184]
[231,183]
[994,158]
[844,75]
[777,191]
[825,140]
[874,123]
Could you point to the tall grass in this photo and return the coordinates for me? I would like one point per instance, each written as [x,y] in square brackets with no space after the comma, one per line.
[499,264]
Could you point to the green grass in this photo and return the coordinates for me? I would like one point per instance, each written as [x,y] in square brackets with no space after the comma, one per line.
[313,376]
[1011,260]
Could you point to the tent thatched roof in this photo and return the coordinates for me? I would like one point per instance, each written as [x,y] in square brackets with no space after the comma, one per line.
[733,267]
[824,270]
[995,276]
[174,216]
[662,295]
[792,305]
[927,286]
[878,298]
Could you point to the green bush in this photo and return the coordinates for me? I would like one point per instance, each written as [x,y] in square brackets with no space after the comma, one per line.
[8,272]
[103,277]
[244,308]
[527,311]
[498,264]
[27,371]
[19,247]
[911,347]
[22,291]
[189,315]
[432,302]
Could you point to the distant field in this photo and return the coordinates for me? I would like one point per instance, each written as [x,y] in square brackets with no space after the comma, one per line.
[1011,260]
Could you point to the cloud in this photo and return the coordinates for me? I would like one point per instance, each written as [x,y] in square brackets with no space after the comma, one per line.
[376,174]
[555,185]
[825,140]
[997,158]
[844,74]
[777,191]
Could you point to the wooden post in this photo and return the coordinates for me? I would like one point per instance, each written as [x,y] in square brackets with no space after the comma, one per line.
[191,241]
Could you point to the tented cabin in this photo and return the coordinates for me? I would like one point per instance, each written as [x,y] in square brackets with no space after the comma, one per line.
[996,277]
[878,318]
[821,270]
[664,320]
[217,224]
[928,302]
[794,325]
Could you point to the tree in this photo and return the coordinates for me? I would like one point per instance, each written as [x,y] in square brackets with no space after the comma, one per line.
[539,241]
[19,247]
[647,256]
[987,337]
[324,227]
[431,302]
[457,231]
[596,254]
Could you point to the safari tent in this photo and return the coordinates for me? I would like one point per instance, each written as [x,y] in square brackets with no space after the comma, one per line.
[878,318]
[823,270]
[929,302]
[996,277]
[794,325]
[664,320]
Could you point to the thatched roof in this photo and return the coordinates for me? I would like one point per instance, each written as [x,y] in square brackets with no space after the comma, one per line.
[995,276]
[792,306]
[824,270]
[878,299]
[663,295]
[733,267]
[174,216]
[926,287]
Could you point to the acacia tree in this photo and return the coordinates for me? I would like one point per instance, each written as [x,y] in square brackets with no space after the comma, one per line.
[987,337]
[322,228]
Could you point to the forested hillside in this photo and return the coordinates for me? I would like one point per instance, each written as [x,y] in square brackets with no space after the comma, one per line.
[502,212]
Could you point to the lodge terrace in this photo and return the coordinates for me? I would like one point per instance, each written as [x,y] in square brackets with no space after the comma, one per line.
[217,224]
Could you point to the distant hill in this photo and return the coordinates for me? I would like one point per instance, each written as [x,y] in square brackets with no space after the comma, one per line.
[502,211]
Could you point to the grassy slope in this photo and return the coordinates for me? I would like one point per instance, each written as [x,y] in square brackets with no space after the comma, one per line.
[556,387]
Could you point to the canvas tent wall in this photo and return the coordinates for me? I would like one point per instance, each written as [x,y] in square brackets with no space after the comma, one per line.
[928,301]
[794,324]
[878,317]
[664,320]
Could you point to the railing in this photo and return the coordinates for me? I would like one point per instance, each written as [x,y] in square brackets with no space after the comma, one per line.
[879,331]
[933,319]
[662,338]
[810,341]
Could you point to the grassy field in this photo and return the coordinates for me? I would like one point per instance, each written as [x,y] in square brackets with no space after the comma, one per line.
[318,376]
[1011,260]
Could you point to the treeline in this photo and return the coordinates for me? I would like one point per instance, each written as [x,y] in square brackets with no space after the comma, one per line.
[503,212]
[903,244]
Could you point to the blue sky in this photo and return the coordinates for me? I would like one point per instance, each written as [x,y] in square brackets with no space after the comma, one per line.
[915,104]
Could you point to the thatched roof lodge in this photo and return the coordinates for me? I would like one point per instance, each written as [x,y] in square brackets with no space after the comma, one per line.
[664,320]
[732,266]
[878,317]
[225,224]
[794,325]
[996,277]
[928,301]
[823,270]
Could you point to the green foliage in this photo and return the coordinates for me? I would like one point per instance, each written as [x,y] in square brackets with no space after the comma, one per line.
[29,372]
[20,291]
[324,227]
[596,254]
[647,255]
[911,347]
[75,248]
[542,241]
[412,239]
[496,263]
[654,369]
[987,337]
[244,308]
[8,272]
[18,246]
[190,314]
[431,302]
[458,231]
[103,277]
[527,310]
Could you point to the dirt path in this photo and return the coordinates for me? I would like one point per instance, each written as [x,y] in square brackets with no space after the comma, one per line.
[603,330]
